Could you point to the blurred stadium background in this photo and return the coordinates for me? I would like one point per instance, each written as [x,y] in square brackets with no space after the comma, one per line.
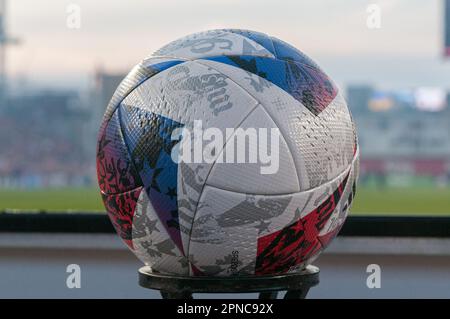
[400,100]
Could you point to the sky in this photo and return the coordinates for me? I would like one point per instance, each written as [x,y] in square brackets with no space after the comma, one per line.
[115,35]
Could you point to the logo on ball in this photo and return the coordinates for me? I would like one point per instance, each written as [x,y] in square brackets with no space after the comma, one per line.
[250,145]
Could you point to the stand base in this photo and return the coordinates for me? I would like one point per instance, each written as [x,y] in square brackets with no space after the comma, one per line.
[296,284]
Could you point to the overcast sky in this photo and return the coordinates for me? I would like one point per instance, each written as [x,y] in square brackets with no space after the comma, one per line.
[116,34]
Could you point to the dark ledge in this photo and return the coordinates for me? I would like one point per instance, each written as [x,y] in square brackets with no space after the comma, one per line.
[97,222]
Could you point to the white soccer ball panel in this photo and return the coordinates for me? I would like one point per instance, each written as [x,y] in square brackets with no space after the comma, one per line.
[212,43]
[266,175]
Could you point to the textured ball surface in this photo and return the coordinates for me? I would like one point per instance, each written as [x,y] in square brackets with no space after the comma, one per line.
[222,219]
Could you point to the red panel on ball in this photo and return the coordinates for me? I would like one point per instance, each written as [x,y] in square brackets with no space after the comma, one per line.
[280,251]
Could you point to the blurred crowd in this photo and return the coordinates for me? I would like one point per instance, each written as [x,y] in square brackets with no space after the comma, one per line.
[43,141]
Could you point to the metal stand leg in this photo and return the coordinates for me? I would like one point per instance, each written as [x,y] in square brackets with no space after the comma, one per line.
[268,295]
[176,295]
[296,294]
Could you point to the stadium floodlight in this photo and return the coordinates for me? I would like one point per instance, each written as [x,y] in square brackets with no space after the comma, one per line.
[5,40]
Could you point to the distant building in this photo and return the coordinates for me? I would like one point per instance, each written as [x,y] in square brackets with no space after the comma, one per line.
[105,86]
[402,133]
[448,101]
[358,97]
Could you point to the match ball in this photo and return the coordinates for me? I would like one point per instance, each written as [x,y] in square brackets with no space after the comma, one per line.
[227,153]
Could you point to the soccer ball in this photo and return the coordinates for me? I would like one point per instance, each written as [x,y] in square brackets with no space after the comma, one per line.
[189,203]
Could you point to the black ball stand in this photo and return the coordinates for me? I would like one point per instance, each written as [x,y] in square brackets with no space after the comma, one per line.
[295,284]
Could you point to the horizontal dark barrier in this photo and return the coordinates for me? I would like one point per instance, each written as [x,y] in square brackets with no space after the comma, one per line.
[91,222]
[397,226]
[55,222]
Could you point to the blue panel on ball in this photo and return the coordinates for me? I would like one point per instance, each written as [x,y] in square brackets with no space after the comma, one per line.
[285,51]
[306,84]
[148,138]
[137,76]
[260,38]
[161,66]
